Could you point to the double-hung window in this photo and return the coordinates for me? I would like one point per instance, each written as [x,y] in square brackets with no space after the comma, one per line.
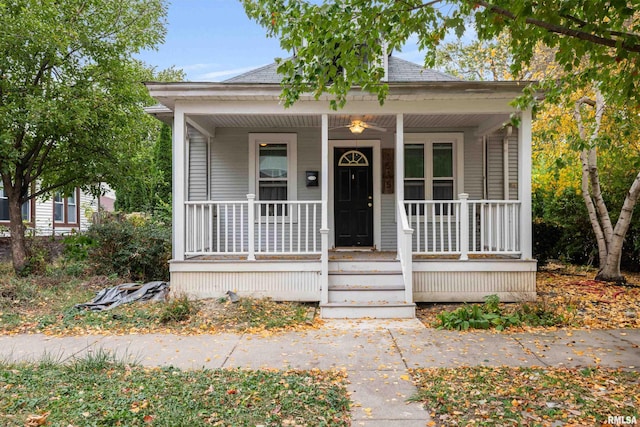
[433,166]
[272,170]
[65,209]
[4,208]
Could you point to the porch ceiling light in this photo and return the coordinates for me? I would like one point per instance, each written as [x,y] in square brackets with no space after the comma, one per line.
[357,127]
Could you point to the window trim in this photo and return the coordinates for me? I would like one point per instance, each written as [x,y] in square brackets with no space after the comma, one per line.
[428,140]
[291,141]
[32,212]
[65,210]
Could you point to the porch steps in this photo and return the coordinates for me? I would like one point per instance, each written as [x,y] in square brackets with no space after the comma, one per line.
[366,289]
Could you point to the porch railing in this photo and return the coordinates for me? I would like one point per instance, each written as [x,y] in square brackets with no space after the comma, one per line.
[405,254]
[251,227]
[462,227]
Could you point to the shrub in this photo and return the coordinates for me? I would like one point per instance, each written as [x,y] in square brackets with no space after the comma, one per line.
[139,250]
[491,315]
[178,310]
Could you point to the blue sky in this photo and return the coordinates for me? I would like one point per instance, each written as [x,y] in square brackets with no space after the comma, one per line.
[212,40]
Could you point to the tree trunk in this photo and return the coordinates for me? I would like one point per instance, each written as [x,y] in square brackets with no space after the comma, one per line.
[17,229]
[610,270]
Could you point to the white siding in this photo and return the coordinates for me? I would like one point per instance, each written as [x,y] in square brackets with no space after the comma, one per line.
[229,166]
[197,166]
[44,215]
[495,167]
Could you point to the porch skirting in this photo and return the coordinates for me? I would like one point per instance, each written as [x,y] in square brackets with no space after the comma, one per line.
[280,281]
[294,280]
[472,280]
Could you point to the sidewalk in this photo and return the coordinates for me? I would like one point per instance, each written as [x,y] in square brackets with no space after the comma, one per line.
[375,353]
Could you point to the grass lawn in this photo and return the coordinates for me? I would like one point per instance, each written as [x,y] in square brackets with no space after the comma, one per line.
[103,392]
[505,396]
[45,304]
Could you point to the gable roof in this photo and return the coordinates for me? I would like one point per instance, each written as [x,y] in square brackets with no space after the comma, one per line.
[400,71]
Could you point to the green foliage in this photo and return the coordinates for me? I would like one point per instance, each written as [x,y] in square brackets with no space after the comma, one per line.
[71,93]
[178,310]
[140,252]
[491,315]
[591,42]
[76,246]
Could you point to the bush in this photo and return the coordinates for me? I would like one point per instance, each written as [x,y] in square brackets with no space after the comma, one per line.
[133,248]
[491,315]
[178,310]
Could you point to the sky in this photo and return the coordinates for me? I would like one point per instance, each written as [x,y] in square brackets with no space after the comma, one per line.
[213,40]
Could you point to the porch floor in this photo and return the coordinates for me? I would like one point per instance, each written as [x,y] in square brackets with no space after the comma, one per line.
[343,255]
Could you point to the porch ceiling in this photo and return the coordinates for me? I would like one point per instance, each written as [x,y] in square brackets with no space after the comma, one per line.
[337,120]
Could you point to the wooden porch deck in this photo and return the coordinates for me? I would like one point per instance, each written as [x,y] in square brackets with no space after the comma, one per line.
[345,255]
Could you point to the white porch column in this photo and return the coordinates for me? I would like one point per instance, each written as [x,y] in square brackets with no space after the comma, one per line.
[524,184]
[464,226]
[324,227]
[179,184]
[400,157]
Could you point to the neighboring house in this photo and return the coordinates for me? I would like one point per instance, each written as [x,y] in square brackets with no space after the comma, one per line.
[56,215]
[366,209]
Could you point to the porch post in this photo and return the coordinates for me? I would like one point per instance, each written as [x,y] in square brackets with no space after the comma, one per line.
[399,184]
[524,184]
[324,227]
[400,157]
[179,184]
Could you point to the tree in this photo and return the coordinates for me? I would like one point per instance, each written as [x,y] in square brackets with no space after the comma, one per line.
[593,43]
[70,95]
[148,186]
[327,38]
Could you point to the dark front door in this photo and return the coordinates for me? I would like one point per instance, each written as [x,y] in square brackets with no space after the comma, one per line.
[353,179]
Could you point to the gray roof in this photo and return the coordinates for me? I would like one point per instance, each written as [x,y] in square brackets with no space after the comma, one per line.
[400,71]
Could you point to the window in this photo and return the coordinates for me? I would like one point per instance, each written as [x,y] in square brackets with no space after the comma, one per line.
[4,208]
[65,209]
[272,169]
[433,166]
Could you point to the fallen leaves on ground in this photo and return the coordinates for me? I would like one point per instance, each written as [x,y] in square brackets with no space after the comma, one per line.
[572,293]
[100,390]
[527,396]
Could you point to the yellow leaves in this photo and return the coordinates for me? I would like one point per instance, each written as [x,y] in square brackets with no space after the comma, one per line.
[405,377]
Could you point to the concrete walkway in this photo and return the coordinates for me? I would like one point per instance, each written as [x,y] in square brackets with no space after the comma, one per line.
[375,353]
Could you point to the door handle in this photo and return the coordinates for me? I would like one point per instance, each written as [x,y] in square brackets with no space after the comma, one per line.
[369,204]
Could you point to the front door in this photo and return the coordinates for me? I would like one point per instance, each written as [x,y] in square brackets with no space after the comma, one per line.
[353,180]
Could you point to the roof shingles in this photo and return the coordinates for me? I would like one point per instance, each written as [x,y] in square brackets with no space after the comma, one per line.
[400,71]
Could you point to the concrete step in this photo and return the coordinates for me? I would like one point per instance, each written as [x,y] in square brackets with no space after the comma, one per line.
[363,294]
[373,310]
[365,278]
[345,265]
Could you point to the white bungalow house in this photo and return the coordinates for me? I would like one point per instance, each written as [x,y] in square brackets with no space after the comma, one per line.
[367,209]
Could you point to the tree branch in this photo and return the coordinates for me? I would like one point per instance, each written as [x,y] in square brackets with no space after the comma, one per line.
[559,29]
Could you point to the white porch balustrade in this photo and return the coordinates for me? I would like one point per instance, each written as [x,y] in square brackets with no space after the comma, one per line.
[250,227]
[462,227]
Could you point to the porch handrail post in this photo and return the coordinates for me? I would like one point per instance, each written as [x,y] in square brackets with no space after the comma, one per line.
[251,218]
[408,265]
[324,266]
[464,226]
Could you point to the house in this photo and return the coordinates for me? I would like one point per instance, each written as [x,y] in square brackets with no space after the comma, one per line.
[368,209]
[58,214]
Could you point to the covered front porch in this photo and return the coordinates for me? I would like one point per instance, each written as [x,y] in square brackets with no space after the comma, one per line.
[462,232]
